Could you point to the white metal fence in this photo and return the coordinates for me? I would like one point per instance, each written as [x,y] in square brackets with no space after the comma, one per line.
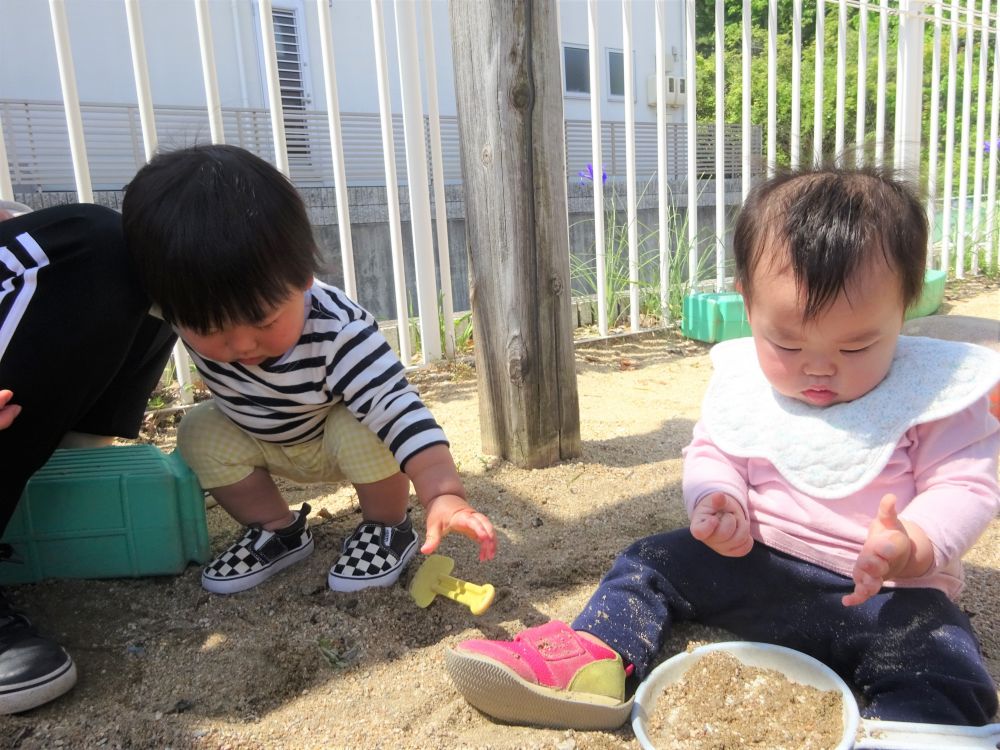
[39,155]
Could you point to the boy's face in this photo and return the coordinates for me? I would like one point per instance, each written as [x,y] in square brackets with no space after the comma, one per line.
[252,343]
[842,353]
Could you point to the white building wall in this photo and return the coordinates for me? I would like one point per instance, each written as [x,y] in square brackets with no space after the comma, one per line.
[573,27]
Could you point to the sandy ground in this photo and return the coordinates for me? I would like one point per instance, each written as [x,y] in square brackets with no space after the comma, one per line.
[163,664]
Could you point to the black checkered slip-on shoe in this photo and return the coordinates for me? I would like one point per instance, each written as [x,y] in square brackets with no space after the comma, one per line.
[33,669]
[258,555]
[374,555]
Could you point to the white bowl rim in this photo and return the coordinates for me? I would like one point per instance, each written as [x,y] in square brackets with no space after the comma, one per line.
[771,657]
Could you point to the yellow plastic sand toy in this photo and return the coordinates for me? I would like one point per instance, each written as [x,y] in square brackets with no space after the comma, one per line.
[433,578]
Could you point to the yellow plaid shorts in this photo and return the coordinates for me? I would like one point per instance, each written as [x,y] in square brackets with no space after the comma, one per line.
[220,453]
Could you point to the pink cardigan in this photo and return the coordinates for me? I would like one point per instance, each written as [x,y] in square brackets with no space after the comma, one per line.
[943,474]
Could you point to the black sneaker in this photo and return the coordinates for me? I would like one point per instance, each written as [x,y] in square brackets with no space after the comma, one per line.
[374,555]
[33,669]
[258,555]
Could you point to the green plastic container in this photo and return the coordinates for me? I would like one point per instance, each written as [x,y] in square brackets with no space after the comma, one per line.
[931,297]
[714,316]
[719,316]
[115,512]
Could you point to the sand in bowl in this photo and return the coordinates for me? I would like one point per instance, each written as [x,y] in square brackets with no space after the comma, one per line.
[721,703]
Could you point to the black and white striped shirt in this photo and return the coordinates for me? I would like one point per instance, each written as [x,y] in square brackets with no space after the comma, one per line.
[340,356]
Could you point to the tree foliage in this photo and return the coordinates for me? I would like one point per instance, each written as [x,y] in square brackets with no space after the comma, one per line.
[705,69]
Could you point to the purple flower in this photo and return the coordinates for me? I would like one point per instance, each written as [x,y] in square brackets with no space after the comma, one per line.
[987,146]
[588,174]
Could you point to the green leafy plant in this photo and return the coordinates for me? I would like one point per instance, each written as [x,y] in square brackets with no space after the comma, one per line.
[336,653]
[977,237]
[618,281]
[462,323]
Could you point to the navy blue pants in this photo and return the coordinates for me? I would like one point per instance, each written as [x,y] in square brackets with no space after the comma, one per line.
[910,653]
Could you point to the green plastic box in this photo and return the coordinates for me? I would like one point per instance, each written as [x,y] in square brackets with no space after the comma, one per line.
[931,297]
[115,512]
[714,316]
[719,316]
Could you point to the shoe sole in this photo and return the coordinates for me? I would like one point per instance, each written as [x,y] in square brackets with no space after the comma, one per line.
[346,585]
[27,696]
[501,693]
[234,585]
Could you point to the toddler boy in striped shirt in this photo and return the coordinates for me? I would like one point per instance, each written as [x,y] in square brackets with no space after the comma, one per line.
[304,384]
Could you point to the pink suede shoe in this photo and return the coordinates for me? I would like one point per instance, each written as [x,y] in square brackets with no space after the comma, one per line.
[548,676]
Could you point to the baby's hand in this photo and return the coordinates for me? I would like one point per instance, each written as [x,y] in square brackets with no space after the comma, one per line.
[8,411]
[884,555]
[448,513]
[719,522]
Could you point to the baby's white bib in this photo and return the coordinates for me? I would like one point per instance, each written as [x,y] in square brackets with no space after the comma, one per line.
[831,452]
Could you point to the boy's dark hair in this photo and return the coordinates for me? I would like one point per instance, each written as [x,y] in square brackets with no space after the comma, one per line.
[832,222]
[218,235]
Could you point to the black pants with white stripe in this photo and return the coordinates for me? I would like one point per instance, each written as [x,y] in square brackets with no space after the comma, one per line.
[77,347]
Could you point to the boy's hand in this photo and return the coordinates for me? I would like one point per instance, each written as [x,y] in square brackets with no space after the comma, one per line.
[448,513]
[719,522]
[8,411]
[884,556]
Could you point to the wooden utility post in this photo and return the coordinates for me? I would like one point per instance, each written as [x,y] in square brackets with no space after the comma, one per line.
[510,117]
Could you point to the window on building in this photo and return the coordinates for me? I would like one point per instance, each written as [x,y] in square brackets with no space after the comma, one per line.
[616,74]
[292,83]
[576,69]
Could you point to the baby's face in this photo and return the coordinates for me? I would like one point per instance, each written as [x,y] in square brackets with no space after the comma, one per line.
[842,353]
[252,343]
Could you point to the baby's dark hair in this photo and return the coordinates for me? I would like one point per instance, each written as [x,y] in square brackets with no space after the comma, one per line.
[832,223]
[219,236]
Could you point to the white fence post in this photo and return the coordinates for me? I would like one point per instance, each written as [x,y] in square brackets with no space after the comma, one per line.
[273,87]
[337,151]
[991,190]
[859,122]
[932,137]
[416,176]
[720,147]
[391,183]
[880,85]
[910,86]
[818,92]
[795,137]
[746,52]
[633,229]
[772,86]
[6,186]
[71,100]
[207,48]
[691,107]
[963,146]
[141,71]
[977,179]
[437,166]
[841,90]
[662,188]
[597,169]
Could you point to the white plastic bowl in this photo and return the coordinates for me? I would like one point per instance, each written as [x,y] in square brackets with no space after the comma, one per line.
[795,665]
